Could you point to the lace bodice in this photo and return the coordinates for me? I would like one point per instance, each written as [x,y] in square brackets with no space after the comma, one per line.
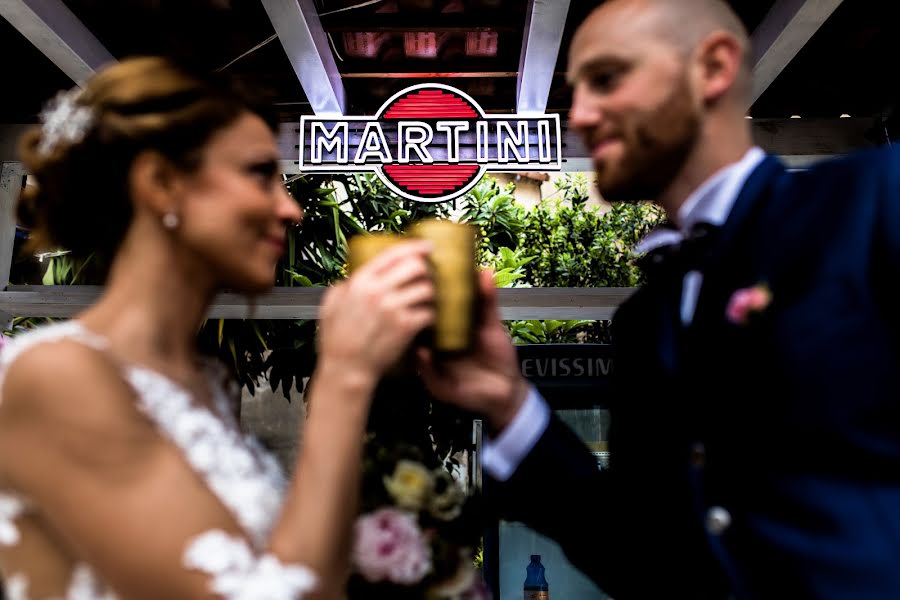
[245,478]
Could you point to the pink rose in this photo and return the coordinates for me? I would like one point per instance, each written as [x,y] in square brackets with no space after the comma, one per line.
[746,302]
[389,546]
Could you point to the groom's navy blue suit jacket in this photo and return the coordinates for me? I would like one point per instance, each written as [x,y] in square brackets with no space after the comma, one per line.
[758,460]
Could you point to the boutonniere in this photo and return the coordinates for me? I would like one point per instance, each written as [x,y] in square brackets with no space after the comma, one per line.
[746,302]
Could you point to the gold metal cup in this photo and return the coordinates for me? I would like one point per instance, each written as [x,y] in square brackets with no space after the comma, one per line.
[365,247]
[455,280]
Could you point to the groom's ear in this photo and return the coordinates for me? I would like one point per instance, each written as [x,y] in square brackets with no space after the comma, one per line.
[720,59]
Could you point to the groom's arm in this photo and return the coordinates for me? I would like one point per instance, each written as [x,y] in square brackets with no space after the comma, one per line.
[545,475]
[504,453]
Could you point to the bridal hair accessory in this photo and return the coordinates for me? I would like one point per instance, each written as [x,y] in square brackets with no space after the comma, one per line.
[63,120]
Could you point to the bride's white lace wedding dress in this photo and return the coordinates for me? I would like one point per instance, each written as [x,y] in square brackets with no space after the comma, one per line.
[243,475]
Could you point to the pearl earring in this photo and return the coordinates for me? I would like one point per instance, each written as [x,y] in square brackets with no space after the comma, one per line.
[170,221]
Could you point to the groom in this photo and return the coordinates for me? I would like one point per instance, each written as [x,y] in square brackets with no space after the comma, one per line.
[755,441]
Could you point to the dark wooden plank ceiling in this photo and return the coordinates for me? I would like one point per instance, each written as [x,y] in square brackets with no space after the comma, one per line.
[848,67]
[29,77]
[473,44]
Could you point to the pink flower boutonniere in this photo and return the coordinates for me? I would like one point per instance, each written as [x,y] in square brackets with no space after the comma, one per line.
[746,302]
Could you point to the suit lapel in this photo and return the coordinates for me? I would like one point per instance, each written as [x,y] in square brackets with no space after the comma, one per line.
[645,330]
[733,255]
[749,203]
[653,316]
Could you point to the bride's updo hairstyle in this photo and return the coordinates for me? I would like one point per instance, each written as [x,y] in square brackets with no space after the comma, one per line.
[81,153]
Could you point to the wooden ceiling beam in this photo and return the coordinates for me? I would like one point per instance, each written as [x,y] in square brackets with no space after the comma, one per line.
[306,44]
[545,22]
[59,35]
[784,31]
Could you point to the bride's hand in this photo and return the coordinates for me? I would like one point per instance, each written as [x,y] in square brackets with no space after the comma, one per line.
[368,321]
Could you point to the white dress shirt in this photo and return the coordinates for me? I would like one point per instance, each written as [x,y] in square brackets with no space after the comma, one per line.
[710,203]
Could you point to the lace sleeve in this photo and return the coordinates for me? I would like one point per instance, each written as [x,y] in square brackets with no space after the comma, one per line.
[11,508]
[236,573]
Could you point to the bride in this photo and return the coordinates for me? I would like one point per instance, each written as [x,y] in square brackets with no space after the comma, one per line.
[122,473]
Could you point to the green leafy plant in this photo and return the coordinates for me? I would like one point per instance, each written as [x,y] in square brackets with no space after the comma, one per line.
[563,242]
[508,266]
[580,246]
[59,268]
[63,269]
[549,331]
[493,210]
[478,561]
[574,188]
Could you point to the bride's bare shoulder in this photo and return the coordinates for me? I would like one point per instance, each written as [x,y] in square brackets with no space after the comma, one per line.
[65,396]
[50,374]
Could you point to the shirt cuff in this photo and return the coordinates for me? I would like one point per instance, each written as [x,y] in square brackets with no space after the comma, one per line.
[503,456]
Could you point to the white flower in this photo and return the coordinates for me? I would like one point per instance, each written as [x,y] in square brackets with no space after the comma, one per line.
[410,484]
[268,580]
[10,509]
[247,486]
[17,587]
[447,500]
[84,586]
[202,455]
[9,533]
[63,120]
[191,426]
[241,460]
[217,552]
[236,574]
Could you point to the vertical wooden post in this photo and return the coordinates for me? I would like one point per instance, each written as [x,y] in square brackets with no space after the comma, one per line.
[12,179]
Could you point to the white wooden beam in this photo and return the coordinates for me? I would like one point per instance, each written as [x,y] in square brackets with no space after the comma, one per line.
[298,27]
[787,27]
[544,24]
[303,303]
[57,32]
[11,179]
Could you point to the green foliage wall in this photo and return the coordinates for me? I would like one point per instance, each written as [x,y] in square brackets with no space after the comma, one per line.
[562,242]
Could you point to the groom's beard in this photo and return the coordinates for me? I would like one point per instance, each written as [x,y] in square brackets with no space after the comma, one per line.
[656,145]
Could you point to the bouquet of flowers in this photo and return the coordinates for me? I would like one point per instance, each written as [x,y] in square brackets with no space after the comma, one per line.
[418,530]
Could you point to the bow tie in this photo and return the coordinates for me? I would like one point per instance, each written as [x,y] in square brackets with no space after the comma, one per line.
[680,257]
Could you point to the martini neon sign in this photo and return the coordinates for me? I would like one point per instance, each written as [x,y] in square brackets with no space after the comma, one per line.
[431,143]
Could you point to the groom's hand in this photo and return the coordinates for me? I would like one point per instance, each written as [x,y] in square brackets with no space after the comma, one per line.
[486,381]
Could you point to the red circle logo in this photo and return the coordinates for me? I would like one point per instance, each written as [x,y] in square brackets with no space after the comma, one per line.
[428,103]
